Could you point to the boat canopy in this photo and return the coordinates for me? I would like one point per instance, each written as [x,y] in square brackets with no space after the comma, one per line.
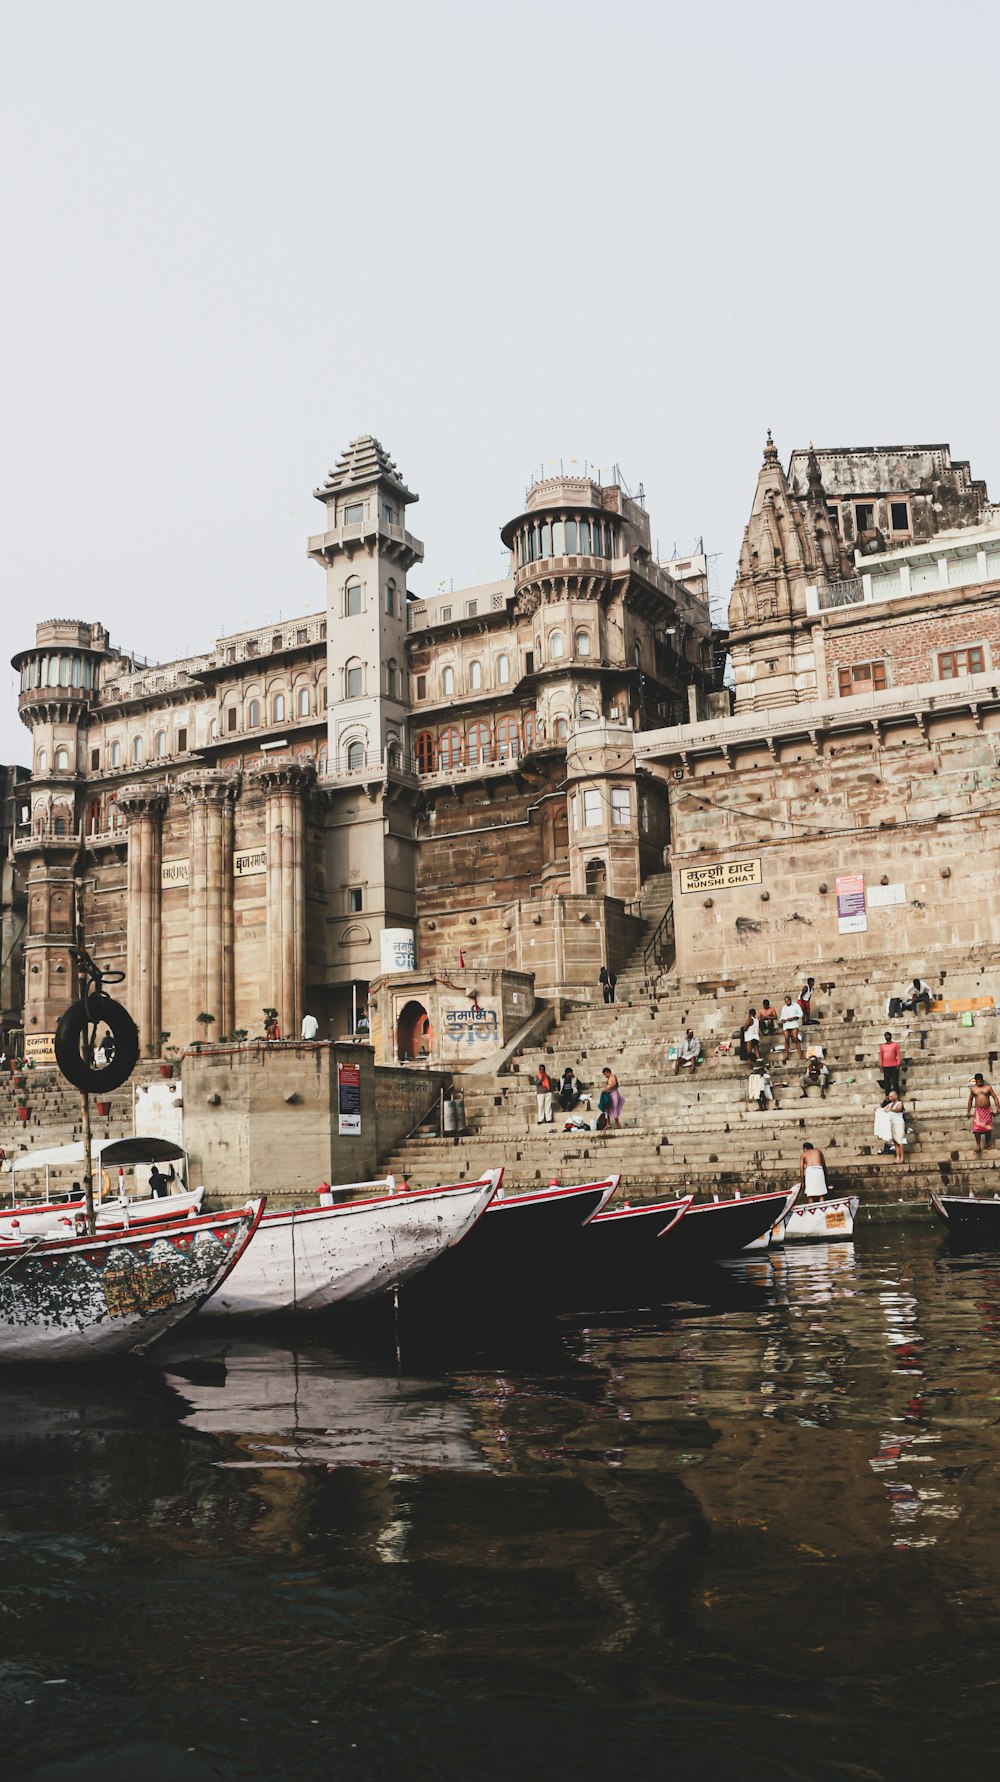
[113,1151]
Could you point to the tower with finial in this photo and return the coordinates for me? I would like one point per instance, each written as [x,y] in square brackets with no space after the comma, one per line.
[366,552]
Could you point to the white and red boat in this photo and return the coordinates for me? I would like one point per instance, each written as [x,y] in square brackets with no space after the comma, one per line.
[306,1258]
[813,1221]
[81,1298]
[56,1208]
[769,1240]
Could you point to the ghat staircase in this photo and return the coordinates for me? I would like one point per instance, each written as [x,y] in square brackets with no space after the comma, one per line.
[701,1134]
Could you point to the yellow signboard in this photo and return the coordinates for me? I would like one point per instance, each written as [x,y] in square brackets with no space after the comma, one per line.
[726,876]
[40,1048]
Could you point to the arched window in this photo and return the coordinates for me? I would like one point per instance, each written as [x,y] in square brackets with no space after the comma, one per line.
[503,670]
[477,745]
[425,752]
[62,760]
[42,762]
[321,760]
[64,671]
[60,826]
[508,740]
[160,743]
[560,729]
[354,680]
[475,677]
[637,653]
[302,702]
[115,754]
[390,598]
[581,643]
[136,749]
[529,730]
[321,702]
[278,708]
[395,754]
[557,646]
[352,599]
[253,714]
[447,681]
[449,749]
[355,757]
[391,680]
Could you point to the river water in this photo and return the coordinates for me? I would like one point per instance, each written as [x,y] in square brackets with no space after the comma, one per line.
[749,1534]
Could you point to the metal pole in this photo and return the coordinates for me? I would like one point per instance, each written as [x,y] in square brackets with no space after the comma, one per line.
[88,1177]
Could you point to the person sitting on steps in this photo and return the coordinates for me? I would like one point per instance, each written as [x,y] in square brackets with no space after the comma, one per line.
[815,1076]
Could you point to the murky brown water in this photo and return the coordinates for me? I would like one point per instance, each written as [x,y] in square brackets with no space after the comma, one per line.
[749,1536]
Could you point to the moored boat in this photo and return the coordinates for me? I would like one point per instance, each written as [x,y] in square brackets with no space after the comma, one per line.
[969,1218]
[711,1229]
[810,1220]
[80,1298]
[56,1208]
[307,1258]
[523,1244]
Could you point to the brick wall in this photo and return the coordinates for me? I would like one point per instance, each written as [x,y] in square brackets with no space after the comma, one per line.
[910,643]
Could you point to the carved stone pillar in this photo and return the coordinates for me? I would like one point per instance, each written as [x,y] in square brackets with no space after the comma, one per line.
[283,784]
[143,808]
[210,797]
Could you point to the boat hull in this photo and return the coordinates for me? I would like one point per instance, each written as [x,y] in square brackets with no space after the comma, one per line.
[810,1221]
[78,1299]
[776,1235]
[713,1229]
[969,1220]
[305,1259]
[61,1218]
[524,1246]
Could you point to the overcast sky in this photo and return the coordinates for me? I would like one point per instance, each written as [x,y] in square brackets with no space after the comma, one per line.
[235,236]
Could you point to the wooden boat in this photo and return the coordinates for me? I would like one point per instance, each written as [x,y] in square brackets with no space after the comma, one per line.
[522,1244]
[776,1235]
[968,1218]
[812,1220]
[81,1298]
[307,1258]
[711,1229]
[627,1237]
[56,1212]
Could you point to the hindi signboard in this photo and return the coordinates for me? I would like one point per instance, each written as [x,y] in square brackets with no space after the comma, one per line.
[852,917]
[396,949]
[726,875]
[40,1048]
[349,1100]
[249,861]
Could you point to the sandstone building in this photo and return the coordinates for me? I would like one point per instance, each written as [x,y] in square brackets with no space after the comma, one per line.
[257,817]
[848,808]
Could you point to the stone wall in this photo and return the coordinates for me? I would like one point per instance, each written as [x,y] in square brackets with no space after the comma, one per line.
[263,1119]
[914,813]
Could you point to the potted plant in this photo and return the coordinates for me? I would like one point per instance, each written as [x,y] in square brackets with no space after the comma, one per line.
[166,1068]
[23,1111]
[238,1035]
[205,1022]
[103,1108]
[17,1072]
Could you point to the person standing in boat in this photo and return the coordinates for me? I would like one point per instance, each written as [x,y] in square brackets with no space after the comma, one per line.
[157,1183]
[981,1104]
[812,1171]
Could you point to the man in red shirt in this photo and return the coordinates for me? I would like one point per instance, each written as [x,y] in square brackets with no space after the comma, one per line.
[890,1059]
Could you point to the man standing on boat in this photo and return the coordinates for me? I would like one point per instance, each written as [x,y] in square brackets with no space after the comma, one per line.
[812,1171]
[981,1104]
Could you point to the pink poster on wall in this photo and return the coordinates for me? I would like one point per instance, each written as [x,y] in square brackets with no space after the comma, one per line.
[852,918]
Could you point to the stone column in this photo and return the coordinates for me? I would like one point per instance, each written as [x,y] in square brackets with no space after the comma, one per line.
[143,809]
[210,798]
[284,784]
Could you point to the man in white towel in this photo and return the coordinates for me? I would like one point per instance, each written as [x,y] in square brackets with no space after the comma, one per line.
[812,1171]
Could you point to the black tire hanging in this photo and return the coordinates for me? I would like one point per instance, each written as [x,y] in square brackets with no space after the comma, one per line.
[70,1032]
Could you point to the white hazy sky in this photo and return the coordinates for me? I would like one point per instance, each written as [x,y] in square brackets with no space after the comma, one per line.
[236,235]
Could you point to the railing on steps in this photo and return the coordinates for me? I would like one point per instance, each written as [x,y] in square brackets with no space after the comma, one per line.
[658,953]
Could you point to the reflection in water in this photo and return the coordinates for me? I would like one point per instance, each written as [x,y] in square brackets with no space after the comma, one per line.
[746,1534]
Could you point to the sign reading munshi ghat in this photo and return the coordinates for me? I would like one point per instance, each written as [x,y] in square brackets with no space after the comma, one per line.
[723,877]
